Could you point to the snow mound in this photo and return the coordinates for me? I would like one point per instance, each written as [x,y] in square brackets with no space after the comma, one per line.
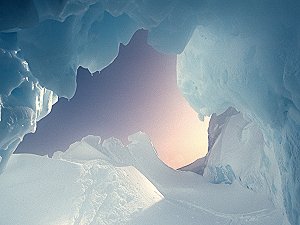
[73,190]
[86,185]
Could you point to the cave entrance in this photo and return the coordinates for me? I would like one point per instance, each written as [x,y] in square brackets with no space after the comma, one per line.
[138,91]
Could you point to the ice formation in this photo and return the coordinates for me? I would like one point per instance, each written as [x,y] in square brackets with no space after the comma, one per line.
[253,66]
[104,182]
[238,153]
[240,54]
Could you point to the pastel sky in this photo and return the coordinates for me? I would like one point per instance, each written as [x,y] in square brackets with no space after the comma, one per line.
[137,92]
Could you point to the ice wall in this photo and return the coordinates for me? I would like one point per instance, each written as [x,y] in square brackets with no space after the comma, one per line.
[241,54]
[249,58]
[23,101]
[239,153]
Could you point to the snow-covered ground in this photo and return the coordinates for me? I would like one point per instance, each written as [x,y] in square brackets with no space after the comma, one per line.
[97,182]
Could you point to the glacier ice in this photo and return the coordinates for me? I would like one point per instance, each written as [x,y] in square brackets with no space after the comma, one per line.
[253,74]
[249,59]
[235,53]
[215,128]
[238,153]
[239,143]
[23,102]
[88,184]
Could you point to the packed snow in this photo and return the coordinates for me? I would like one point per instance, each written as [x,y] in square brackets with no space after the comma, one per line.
[95,182]
[244,54]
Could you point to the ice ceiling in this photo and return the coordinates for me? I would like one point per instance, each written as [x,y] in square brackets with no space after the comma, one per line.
[233,53]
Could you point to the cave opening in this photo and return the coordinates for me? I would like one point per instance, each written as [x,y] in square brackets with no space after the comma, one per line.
[136,92]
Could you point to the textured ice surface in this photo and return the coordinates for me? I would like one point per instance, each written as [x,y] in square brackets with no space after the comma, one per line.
[23,101]
[239,151]
[241,53]
[97,182]
[248,57]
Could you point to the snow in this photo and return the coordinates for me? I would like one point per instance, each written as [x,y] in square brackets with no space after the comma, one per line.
[243,54]
[85,185]
[247,57]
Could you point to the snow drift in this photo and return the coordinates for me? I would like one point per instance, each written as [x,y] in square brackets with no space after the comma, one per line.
[240,54]
[97,182]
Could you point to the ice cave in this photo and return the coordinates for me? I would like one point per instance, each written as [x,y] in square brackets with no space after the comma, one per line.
[237,61]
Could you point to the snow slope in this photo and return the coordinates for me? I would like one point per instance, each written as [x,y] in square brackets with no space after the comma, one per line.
[91,184]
